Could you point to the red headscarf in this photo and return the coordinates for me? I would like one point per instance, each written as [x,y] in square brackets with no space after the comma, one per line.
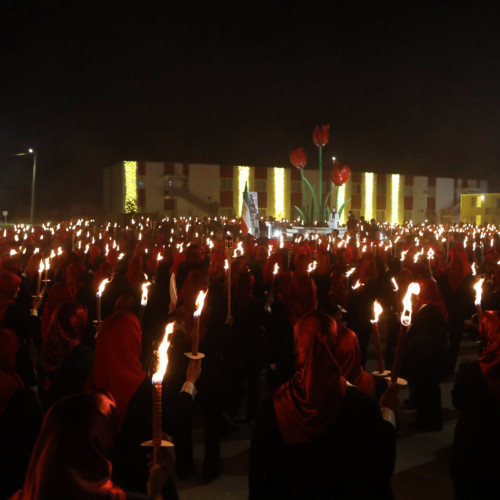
[338,293]
[348,356]
[244,292]
[75,275]
[10,380]
[117,367]
[9,283]
[70,457]
[308,403]
[456,273]
[489,360]
[135,274]
[33,266]
[94,252]
[430,294]
[301,297]
[67,325]
[59,293]
[196,280]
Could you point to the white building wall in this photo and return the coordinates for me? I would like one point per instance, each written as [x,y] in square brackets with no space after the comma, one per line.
[420,191]
[154,185]
[444,194]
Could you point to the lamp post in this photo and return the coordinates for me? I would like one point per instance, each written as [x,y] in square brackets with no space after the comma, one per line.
[32,210]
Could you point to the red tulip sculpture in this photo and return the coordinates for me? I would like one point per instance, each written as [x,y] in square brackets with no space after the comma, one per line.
[298,159]
[320,138]
[340,175]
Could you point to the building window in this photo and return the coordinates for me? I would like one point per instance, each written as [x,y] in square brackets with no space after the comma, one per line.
[262,212]
[140,185]
[260,185]
[408,190]
[296,186]
[431,192]
[381,190]
[226,184]
[355,188]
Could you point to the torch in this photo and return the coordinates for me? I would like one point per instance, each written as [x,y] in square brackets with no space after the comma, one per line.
[229,254]
[377,311]
[40,271]
[99,295]
[413,289]
[478,287]
[195,338]
[160,362]
[430,255]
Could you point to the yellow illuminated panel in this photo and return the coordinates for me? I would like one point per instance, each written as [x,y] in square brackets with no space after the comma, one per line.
[130,174]
[479,201]
[279,192]
[478,220]
[340,201]
[368,196]
[243,176]
[395,199]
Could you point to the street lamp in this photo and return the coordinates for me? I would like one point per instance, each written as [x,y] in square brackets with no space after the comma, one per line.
[33,152]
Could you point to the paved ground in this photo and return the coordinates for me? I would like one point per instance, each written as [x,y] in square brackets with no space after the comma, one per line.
[422,467]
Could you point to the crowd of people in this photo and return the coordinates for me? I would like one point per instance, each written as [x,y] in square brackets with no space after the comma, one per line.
[285,331]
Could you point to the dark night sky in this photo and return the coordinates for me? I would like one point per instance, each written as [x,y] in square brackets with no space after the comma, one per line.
[407,86]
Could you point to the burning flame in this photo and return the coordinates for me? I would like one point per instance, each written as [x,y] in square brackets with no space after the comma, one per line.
[102,286]
[479,292]
[403,255]
[413,289]
[144,298]
[42,267]
[226,264]
[162,354]
[200,300]
[377,311]
[396,287]
[276,268]
[357,285]
[430,253]
[348,273]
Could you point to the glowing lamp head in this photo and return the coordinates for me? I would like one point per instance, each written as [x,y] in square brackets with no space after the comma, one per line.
[413,289]
[102,286]
[377,311]
[200,300]
[162,355]
[478,287]
[144,298]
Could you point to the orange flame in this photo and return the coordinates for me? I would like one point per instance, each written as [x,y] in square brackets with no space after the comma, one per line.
[396,287]
[144,298]
[276,268]
[377,311]
[102,286]
[162,353]
[413,289]
[200,300]
[479,292]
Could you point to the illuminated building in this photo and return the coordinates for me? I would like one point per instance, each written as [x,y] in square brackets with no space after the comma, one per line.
[210,189]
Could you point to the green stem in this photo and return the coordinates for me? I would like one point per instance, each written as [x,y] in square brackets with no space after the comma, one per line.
[321,181]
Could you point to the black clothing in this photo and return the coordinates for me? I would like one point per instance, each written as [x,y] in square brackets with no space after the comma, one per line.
[353,459]
[475,456]
[19,427]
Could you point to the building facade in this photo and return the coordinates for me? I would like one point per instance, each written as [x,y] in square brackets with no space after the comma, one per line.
[480,208]
[190,189]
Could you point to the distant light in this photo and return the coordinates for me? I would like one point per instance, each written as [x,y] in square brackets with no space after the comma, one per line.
[30,150]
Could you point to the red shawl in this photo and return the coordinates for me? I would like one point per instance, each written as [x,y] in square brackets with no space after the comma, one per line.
[430,294]
[135,273]
[301,297]
[196,280]
[308,403]
[117,367]
[348,356]
[10,380]
[456,273]
[67,325]
[59,293]
[9,284]
[70,457]
[489,360]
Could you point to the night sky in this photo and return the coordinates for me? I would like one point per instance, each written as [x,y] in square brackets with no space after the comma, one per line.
[405,86]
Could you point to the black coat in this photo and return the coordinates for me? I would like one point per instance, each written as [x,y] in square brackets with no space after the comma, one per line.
[353,459]
[476,444]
